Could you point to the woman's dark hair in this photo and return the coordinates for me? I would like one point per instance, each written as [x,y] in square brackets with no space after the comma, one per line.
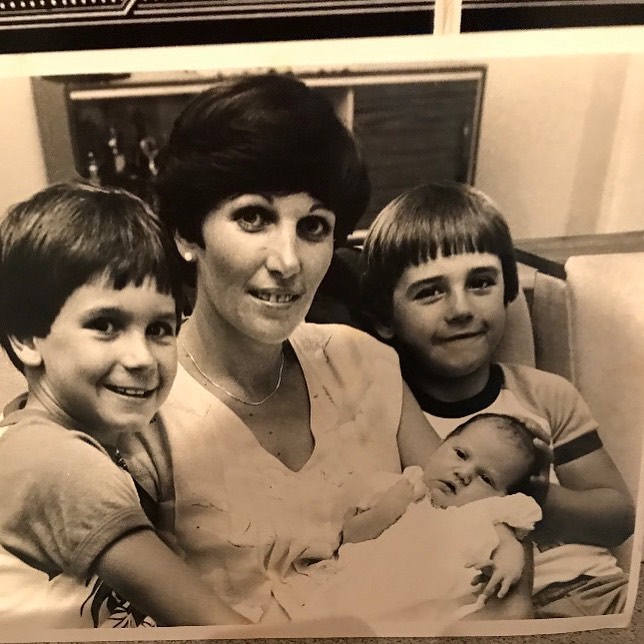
[267,134]
[430,220]
[64,237]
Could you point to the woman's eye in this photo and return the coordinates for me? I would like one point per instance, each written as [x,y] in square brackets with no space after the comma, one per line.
[314,228]
[161,330]
[252,218]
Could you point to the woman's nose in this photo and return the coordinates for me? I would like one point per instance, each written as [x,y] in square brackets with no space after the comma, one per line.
[283,253]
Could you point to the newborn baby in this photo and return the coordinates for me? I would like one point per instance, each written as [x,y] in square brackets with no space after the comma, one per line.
[421,567]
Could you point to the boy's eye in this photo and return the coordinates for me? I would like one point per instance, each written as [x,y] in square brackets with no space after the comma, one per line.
[161,329]
[482,282]
[314,228]
[252,218]
[429,292]
[103,325]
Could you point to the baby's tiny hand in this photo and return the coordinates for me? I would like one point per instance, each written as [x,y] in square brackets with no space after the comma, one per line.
[414,475]
[503,570]
[397,498]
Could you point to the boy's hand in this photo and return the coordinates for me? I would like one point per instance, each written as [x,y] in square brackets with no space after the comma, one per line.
[540,481]
[505,568]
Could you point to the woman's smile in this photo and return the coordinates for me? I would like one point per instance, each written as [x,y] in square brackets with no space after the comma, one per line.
[274,297]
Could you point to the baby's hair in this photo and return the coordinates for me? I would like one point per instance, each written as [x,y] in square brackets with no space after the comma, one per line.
[66,236]
[519,435]
[427,221]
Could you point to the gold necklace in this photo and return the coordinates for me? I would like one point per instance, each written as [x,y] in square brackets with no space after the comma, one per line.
[228,393]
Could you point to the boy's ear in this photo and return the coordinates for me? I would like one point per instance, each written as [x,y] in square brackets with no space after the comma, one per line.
[187,250]
[383,329]
[27,350]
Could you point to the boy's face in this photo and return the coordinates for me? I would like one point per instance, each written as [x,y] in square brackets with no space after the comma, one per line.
[110,357]
[479,462]
[449,313]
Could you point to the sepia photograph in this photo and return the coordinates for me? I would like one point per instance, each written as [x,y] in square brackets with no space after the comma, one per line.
[323,339]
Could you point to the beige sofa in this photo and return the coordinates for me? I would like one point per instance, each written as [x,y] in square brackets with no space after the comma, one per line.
[586,325]
[589,327]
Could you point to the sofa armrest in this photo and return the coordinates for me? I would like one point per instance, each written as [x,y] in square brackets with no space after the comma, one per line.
[606,300]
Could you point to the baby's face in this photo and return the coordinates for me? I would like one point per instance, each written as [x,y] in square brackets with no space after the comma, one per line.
[479,462]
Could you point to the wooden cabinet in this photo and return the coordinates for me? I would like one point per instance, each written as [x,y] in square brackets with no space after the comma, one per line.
[414,125]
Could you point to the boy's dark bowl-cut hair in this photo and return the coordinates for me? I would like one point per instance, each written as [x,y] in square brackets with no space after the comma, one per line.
[65,236]
[516,431]
[261,134]
[445,218]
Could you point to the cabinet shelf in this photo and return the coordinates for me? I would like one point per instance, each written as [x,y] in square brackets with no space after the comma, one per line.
[413,124]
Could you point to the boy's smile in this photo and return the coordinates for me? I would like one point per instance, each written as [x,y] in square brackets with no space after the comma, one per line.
[449,315]
[109,359]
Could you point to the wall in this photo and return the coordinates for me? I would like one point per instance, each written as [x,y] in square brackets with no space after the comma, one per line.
[557,150]
[23,170]
[561,147]
[622,208]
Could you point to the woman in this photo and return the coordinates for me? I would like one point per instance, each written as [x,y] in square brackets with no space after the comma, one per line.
[269,417]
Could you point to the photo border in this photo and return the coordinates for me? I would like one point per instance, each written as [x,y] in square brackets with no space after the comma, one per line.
[397,50]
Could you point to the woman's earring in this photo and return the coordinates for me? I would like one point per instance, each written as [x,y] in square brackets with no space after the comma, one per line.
[188,256]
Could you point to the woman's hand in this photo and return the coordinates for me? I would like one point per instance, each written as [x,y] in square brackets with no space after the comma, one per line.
[505,568]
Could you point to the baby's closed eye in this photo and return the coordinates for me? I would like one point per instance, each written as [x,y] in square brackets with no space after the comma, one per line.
[487,479]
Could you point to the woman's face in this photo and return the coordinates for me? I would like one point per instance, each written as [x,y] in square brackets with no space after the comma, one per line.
[263,259]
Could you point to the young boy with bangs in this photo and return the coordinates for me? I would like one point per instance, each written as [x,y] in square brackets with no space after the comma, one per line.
[439,272]
[90,303]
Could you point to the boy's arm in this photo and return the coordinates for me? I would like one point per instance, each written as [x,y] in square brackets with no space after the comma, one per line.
[143,570]
[592,505]
[417,440]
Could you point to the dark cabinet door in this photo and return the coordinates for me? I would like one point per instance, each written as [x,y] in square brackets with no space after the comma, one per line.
[414,132]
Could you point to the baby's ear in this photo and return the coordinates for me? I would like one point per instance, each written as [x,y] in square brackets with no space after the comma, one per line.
[27,350]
